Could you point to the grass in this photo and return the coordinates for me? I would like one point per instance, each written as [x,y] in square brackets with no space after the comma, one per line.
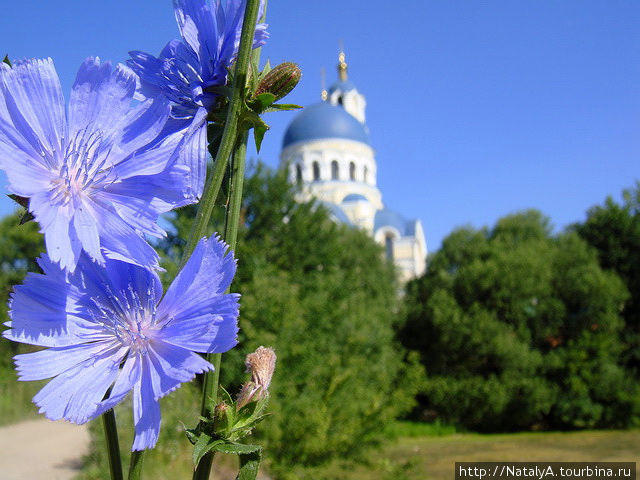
[433,458]
[421,451]
[419,429]
[15,396]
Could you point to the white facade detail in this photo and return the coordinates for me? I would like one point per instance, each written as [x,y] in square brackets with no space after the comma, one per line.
[323,153]
[351,100]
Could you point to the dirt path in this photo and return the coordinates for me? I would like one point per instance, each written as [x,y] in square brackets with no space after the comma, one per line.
[42,450]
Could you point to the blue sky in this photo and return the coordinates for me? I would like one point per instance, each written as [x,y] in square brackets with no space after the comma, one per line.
[476,109]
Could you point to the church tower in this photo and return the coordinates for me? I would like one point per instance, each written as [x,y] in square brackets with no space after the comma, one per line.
[327,149]
[345,94]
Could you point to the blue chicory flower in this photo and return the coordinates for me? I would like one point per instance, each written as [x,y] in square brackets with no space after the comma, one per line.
[186,69]
[99,177]
[108,327]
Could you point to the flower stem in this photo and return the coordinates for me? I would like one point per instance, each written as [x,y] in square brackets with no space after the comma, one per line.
[212,186]
[232,220]
[135,465]
[113,448]
[231,141]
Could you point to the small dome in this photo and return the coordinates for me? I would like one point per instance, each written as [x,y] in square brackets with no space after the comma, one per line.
[324,120]
[336,213]
[389,218]
[354,197]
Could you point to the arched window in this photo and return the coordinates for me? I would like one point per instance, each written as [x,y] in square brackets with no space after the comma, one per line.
[365,174]
[316,171]
[335,173]
[298,173]
[388,246]
[352,171]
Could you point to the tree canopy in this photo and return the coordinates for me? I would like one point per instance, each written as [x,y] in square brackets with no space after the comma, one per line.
[614,230]
[518,328]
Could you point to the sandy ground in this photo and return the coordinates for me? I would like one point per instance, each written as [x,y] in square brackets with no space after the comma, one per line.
[42,450]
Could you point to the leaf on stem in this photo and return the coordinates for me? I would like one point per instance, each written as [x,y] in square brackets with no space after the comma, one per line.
[262,101]
[249,465]
[203,446]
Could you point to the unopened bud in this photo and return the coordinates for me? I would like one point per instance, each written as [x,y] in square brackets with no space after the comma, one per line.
[222,417]
[280,81]
[261,364]
[221,409]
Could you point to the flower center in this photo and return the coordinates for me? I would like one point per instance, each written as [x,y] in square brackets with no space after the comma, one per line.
[128,316]
[134,332]
[83,167]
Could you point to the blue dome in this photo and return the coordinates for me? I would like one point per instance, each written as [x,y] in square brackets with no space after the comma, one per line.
[345,86]
[336,213]
[324,120]
[354,197]
[389,218]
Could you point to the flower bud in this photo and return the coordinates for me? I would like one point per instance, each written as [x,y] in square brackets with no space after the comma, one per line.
[247,394]
[221,409]
[261,364]
[223,417]
[280,81]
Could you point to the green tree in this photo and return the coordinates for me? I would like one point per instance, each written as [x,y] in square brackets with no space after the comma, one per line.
[324,297]
[614,230]
[19,247]
[518,328]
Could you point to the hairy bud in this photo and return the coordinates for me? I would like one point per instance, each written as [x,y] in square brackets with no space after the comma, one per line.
[223,418]
[280,81]
[261,364]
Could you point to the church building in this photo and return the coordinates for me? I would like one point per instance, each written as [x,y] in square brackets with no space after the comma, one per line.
[327,149]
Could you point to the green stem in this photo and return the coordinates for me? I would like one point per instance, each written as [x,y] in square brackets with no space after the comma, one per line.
[205,208]
[210,384]
[113,448]
[135,465]
[237,184]
[229,142]
[212,186]
[232,220]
